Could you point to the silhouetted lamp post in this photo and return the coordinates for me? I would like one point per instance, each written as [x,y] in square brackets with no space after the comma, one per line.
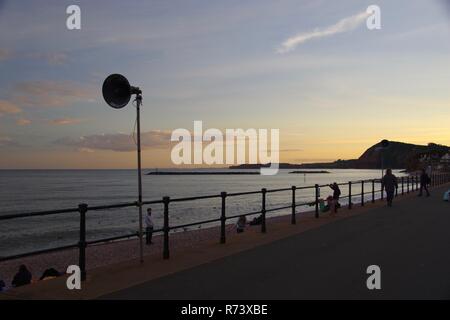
[382,148]
[117,93]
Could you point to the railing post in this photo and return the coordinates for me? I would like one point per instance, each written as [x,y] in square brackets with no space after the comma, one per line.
[403,187]
[417,182]
[263,210]
[362,193]
[407,184]
[349,194]
[82,208]
[381,190]
[373,190]
[316,202]
[223,218]
[166,228]
[396,191]
[293,221]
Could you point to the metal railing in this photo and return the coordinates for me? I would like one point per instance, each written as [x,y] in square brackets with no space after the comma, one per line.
[406,185]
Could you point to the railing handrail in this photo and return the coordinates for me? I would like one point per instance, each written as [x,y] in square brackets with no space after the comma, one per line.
[183,199]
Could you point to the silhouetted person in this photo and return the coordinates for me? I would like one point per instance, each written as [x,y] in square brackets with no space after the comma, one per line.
[257,220]
[23,277]
[240,225]
[336,195]
[389,184]
[149,226]
[50,273]
[424,182]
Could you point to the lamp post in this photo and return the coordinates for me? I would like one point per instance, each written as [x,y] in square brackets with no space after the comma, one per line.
[117,92]
[384,145]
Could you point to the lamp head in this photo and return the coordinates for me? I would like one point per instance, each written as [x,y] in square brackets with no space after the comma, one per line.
[385,143]
[117,91]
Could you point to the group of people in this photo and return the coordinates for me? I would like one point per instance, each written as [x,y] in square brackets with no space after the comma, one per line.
[389,184]
[24,277]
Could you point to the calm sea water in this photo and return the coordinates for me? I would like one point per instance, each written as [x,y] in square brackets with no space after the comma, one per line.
[36,190]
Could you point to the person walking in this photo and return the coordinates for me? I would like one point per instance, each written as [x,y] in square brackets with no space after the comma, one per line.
[389,184]
[149,226]
[424,182]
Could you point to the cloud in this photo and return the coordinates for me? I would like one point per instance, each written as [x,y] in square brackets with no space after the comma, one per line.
[7,107]
[7,142]
[51,94]
[52,58]
[4,54]
[23,122]
[65,121]
[120,142]
[344,25]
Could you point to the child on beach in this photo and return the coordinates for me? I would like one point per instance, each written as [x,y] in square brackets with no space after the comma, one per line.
[240,225]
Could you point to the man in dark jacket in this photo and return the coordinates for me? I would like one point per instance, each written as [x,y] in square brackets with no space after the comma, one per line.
[336,195]
[424,182]
[389,183]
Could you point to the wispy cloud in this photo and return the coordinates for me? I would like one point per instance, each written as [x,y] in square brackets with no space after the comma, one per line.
[65,121]
[7,142]
[23,122]
[344,25]
[51,93]
[4,54]
[52,58]
[118,141]
[7,107]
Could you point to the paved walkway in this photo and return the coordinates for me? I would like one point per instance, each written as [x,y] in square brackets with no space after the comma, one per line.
[410,242]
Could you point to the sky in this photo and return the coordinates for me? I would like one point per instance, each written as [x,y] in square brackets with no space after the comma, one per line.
[311,69]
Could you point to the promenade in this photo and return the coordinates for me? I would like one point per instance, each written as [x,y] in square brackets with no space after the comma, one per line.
[410,242]
[323,258]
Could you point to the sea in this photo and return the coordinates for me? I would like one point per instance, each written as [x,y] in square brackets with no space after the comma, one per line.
[23,191]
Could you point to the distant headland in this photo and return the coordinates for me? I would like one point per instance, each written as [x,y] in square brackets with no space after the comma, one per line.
[168,173]
[398,155]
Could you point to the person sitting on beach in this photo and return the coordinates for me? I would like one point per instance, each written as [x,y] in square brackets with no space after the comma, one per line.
[256,221]
[50,274]
[22,277]
[240,225]
[336,194]
[149,226]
